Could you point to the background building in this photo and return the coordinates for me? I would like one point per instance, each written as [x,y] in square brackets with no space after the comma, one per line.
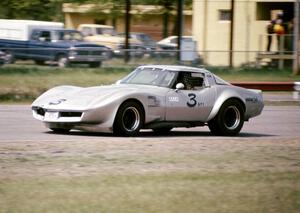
[211,28]
[145,18]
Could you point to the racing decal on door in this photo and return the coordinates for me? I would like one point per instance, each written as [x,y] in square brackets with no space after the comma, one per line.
[193,102]
[174,99]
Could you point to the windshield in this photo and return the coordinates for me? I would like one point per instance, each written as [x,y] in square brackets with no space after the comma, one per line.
[67,36]
[150,76]
[146,38]
[106,31]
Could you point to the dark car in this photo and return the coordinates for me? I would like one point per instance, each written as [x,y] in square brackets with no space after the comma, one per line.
[148,42]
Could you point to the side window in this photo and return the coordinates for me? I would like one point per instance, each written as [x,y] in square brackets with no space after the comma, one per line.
[45,36]
[35,35]
[86,31]
[191,80]
[173,41]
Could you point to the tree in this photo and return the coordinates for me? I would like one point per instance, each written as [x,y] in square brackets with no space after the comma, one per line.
[167,7]
[33,9]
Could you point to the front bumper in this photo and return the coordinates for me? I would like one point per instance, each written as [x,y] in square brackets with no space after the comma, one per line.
[45,115]
[89,55]
[138,51]
[86,59]
[88,120]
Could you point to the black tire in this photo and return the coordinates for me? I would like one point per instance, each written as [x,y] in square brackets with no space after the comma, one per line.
[129,119]
[229,120]
[60,130]
[95,64]
[62,61]
[9,57]
[162,130]
[39,62]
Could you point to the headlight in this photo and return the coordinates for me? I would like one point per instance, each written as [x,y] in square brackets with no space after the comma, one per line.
[121,45]
[73,53]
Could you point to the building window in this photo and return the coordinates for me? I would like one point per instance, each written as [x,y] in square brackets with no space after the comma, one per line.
[224,15]
[266,11]
[99,21]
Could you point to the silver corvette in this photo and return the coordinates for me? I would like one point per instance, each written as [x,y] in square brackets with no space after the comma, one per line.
[157,97]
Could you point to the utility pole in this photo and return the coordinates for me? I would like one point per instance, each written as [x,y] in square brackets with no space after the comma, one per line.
[127,30]
[231,34]
[296,38]
[179,26]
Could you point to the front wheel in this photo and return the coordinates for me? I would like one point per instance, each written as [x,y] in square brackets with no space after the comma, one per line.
[95,64]
[9,57]
[229,120]
[62,61]
[129,119]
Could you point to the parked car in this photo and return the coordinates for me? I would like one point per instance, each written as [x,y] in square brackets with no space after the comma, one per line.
[107,35]
[148,42]
[157,97]
[48,41]
[168,46]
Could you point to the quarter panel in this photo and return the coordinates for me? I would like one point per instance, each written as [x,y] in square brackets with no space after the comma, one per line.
[224,92]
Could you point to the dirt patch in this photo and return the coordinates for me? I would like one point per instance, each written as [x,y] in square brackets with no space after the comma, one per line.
[147,155]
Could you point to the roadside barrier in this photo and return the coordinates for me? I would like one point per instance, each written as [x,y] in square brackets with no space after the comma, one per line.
[272,86]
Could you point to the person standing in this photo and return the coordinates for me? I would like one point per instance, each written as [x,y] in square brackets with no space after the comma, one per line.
[270,31]
[279,30]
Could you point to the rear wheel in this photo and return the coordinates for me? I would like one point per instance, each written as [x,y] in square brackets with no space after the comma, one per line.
[39,62]
[229,120]
[129,119]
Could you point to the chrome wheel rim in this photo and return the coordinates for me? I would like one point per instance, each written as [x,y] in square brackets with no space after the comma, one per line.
[232,118]
[131,119]
[62,62]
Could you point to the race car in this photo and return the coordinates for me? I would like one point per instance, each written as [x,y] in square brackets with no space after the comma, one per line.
[157,97]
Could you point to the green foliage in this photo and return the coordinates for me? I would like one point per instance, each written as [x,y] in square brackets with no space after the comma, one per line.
[34,9]
[51,10]
[24,83]
[168,193]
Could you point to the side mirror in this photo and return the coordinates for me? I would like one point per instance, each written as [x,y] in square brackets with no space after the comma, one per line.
[179,86]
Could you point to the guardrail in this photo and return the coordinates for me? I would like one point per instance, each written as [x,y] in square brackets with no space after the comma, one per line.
[268,86]
[272,86]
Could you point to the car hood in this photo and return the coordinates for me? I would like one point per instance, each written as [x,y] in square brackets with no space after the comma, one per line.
[79,98]
[110,39]
[78,44]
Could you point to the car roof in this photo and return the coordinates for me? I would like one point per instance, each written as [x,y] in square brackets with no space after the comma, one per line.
[97,25]
[175,68]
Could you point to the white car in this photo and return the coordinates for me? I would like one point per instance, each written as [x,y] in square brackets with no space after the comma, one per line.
[157,97]
[168,46]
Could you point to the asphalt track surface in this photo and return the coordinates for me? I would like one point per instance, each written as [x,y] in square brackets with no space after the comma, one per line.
[18,125]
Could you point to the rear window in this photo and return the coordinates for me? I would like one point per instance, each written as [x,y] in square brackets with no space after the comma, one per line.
[220,81]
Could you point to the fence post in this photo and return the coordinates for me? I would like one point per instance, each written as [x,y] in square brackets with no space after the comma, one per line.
[259,51]
[281,51]
[296,38]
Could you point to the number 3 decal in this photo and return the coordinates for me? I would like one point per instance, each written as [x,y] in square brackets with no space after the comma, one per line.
[192,102]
